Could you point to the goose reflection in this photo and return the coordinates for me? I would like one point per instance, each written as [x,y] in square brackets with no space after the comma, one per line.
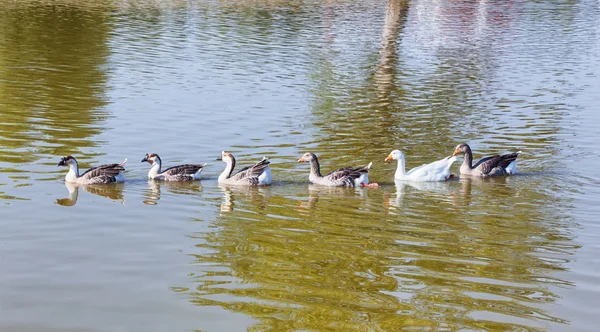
[111,191]
[153,194]
[486,191]
[442,190]
[315,192]
[257,196]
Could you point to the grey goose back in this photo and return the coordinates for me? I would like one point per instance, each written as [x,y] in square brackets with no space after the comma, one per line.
[343,177]
[258,174]
[108,173]
[497,165]
[185,172]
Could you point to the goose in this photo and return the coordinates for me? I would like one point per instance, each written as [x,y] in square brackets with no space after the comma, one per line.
[108,173]
[258,174]
[436,171]
[186,172]
[343,177]
[497,165]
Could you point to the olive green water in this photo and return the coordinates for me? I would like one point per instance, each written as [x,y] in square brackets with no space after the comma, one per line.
[349,81]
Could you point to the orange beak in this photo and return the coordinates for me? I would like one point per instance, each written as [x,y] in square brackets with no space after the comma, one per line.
[455,152]
[301,160]
[389,157]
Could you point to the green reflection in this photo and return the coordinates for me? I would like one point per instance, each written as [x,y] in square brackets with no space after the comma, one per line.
[444,255]
[52,78]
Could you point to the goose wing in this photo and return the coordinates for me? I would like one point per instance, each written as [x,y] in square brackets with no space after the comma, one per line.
[252,171]
[348,172]
[107,170]
[186,169]
[485,165]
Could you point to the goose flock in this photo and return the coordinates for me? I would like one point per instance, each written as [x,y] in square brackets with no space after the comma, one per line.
[259,174]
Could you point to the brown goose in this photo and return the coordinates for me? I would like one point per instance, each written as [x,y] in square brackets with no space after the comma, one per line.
[184,172]
[343,177]
[258,174]
[108,173]
[497,165]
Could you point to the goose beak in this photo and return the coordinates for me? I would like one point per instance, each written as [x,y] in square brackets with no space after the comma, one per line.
[61,163]
[145,159]
[389,157]
[455,152]
[219,158]
[301,160]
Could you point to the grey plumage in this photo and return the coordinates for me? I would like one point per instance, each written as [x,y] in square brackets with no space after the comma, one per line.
[342,177]
[497,165]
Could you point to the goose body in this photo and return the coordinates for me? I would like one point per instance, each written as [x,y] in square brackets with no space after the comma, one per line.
[186,172]
[436,171]
[258,174]
[497,165]
[343,177]
[107,173]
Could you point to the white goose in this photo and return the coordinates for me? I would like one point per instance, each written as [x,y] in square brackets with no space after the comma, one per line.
[436,171]
[108,173]
[258,174]
[186,172]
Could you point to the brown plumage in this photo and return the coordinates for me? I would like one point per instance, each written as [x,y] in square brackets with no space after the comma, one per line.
[342,177]
[497,165]
[185,172]
[107,173]
[253,175]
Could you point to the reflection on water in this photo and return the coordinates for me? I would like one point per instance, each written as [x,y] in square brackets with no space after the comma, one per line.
[257,196]
[317,192]
[153,193]
[437,190]
[350,81]
[112,191]
[330,255]
[51,81]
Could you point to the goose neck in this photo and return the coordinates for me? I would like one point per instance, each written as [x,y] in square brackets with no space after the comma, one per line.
[315,168]
[228,169]
[468,158]
[401,168]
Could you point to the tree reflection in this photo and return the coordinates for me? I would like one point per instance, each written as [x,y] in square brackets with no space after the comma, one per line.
[51,79]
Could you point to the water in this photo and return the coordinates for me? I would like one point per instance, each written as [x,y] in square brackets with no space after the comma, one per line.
[348,81]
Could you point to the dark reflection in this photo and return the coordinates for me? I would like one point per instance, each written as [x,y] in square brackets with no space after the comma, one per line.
[258,197]
[503,187]
[51,81]
[153,194]
[111,191]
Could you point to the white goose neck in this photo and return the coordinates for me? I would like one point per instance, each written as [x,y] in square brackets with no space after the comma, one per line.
[155,170]
[227,171]
[400,169]
[73,173]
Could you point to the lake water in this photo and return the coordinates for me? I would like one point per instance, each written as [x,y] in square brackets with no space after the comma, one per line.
[347,80]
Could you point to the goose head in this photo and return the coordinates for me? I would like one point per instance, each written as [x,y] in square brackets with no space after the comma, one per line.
[67,161]
[307,157]
[395,155]
[151,158]
[462,148]
[226,157]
